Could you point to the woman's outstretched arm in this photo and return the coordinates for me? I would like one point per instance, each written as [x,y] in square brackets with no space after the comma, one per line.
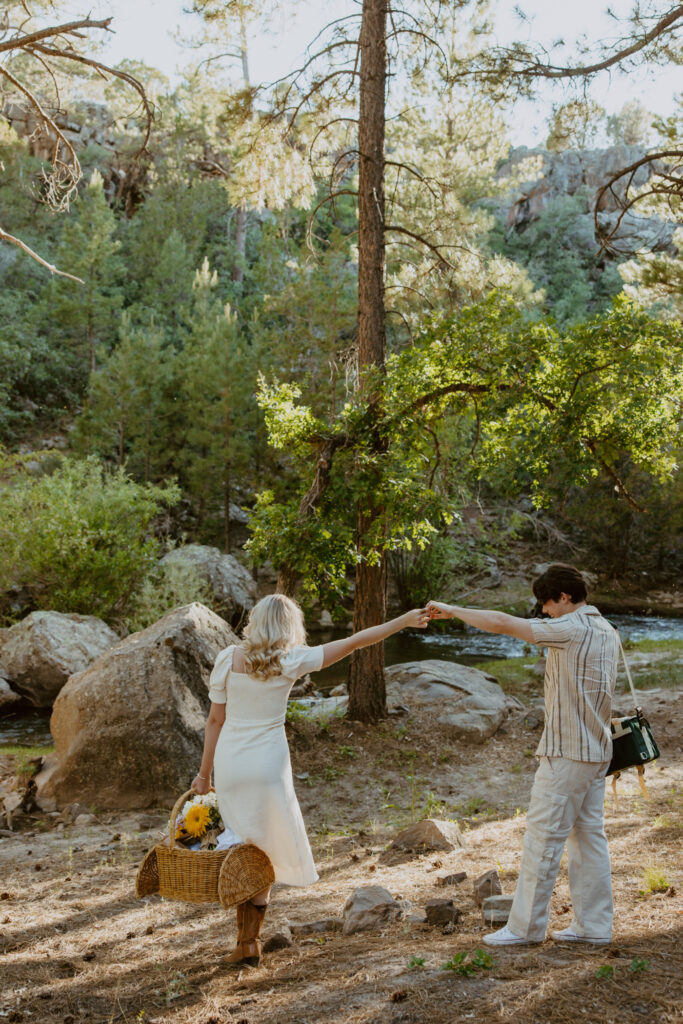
[418,618]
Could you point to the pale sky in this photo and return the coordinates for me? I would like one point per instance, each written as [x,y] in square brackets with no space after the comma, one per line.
[153,30]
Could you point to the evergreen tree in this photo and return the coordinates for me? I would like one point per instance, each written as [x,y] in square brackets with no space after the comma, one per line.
[213,394]
[86,315]
[128,409]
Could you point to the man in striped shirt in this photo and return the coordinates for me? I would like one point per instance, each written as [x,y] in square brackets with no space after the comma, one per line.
[567,798]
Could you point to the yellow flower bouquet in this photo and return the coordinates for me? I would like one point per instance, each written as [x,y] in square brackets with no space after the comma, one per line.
[199,822]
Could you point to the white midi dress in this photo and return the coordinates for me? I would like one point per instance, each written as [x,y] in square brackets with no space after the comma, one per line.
[252,768]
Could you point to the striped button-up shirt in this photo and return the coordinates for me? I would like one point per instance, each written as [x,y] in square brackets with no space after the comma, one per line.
[580,674]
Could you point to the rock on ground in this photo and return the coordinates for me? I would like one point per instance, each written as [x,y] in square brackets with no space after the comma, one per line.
[40,653]
[440,912]
[469,702]
[487,885]
[430,834]
[496,909]
[128,730]
[369,908]
[233,589]
[327,924]
[454,878]
[281,939]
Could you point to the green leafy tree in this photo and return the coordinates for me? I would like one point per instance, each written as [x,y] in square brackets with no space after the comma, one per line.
[562,407]
[76,538]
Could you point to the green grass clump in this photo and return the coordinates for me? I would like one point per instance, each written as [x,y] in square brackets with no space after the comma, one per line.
[22,755]
[514,675]
[654,879]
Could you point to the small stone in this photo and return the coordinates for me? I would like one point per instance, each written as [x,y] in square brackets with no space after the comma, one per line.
[368,908]
[429,835]
[417,918]
[281,939]
[487,884]
[151,821]
[496,909]
[534,719]
[327,924]
[453,879]
[84,819]
[449,928]
[440,912]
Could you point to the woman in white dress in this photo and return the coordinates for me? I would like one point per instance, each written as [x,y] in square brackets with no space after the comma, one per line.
[246,746]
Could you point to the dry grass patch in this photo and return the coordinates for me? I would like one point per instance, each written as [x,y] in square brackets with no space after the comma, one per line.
[76,947]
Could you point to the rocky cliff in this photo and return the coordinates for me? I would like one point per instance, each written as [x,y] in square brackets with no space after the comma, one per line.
[582,173]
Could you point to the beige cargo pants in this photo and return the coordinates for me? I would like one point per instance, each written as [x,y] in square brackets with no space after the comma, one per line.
[566,806]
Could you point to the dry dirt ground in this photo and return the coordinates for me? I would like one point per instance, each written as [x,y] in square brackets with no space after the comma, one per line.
[76,946]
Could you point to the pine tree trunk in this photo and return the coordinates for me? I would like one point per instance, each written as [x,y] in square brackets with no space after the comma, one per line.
[367,696]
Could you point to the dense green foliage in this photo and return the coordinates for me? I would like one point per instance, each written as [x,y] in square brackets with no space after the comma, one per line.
[76,537]
[224,359]
[544,410]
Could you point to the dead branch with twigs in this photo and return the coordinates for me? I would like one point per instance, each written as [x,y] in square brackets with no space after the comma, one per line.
[55,48]
[666,182]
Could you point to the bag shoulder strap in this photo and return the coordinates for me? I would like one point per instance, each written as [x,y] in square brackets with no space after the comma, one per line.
[628,672]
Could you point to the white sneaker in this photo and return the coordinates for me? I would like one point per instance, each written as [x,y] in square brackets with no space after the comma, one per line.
[569,935]
[504,937]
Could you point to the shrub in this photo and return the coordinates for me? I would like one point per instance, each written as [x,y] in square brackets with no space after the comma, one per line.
[77,538]
[168,585]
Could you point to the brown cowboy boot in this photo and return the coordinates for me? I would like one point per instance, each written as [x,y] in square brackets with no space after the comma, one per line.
[249,924]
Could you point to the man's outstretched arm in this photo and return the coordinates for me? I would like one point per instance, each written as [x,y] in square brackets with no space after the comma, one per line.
[491,622]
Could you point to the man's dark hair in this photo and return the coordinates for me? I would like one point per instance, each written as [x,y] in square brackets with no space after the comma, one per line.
[559,579]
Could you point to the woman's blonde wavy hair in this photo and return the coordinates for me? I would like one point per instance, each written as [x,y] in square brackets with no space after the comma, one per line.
[275,625]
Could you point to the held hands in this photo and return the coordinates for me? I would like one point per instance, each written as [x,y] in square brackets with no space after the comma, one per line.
[200,786]
[418,618]
[438,610]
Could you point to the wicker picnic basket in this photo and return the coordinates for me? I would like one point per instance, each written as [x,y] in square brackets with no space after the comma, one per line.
[203,876]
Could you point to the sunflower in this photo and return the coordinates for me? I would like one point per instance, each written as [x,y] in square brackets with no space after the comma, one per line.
[197,819]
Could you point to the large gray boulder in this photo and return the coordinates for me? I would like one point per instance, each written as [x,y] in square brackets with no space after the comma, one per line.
[39,653]
[469,702]
[128,730]
[233,589]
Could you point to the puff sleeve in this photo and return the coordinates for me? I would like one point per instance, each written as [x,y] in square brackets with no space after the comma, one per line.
[300,660]
[218,680]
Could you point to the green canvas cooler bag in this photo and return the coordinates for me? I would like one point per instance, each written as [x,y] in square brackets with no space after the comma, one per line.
[633,742]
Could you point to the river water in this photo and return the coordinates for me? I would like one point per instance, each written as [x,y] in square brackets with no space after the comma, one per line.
[469,646]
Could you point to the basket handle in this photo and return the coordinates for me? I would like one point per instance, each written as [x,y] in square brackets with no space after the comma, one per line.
[174,814]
